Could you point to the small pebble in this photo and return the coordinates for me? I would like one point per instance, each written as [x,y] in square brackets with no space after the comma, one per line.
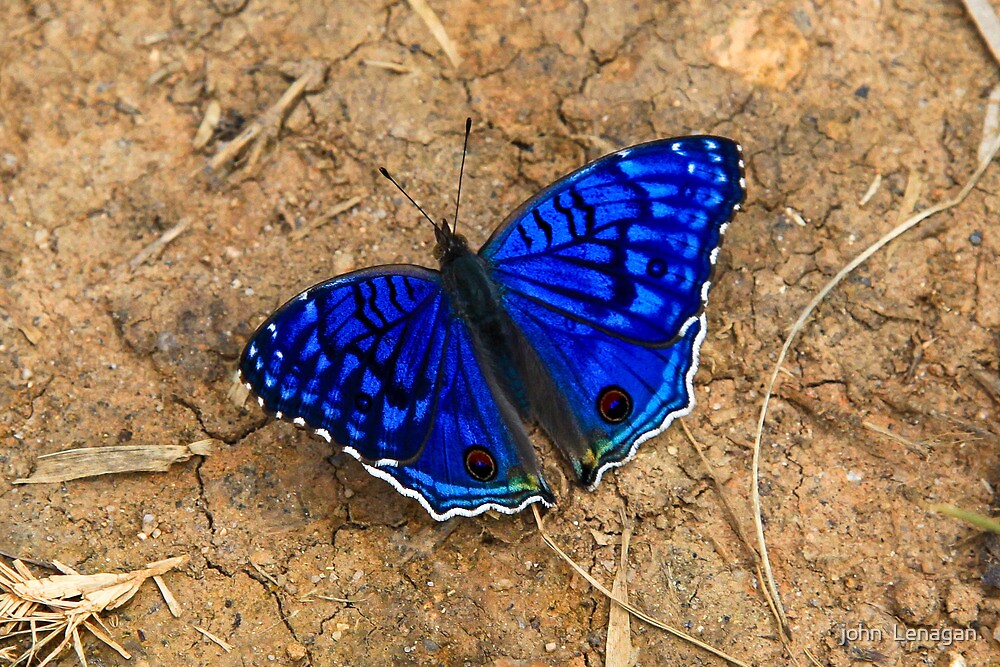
[296,651]
[976,238]
[502,584]
[550,647]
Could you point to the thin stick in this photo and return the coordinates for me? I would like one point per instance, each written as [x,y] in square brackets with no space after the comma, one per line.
[226,646]
[898,231]
[270,121]
[157,246]
[323,219]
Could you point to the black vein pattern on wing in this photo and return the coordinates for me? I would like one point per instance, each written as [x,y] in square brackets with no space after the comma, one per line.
[365,348]
[624,281]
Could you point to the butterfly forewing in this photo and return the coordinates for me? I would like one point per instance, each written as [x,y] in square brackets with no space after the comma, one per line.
[375,361]
[606,273]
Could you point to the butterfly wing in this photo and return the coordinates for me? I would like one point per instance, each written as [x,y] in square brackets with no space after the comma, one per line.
[606,273]
[375,361]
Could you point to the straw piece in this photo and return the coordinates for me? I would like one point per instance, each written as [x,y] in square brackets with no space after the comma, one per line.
[872,189]
[156,247]
[226,646]
[325,218]
[91,461]
[398,68]
[172,605]
[991,123]
[213,114]
[424,11]
[53,610]
[618,649]
[986,21]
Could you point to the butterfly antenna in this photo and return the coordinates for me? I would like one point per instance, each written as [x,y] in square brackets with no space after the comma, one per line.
[461,171]
[385,172]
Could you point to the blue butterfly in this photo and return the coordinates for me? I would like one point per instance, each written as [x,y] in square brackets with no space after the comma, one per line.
[583,312]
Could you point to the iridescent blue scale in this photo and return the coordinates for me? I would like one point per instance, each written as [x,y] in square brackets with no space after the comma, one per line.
[583,312]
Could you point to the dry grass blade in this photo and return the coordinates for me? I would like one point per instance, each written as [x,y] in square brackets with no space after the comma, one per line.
[918,448]
[398,68]
[991,123]
[157,246]
[770,586]
[872,189]
[986,21]
[342,207]
[91,461]
[641,615]
[238,392]
[618,649]
[980,521]
[54,609]
[226,646]
[434,24]
[172,605]
[213,114]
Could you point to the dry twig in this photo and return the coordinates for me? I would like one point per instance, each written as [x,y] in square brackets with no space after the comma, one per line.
[157,246]
[342,207]
[268,125]
[226,646]
[641,615]
[770,585]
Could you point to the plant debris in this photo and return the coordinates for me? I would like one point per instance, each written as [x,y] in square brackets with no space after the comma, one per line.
[54,609]
[92,461]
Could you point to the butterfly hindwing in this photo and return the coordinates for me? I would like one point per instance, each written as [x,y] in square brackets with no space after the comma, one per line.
[621,393]
[606,273]
[375,361]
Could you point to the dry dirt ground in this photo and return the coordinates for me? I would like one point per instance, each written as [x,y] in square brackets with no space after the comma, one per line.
[99,104]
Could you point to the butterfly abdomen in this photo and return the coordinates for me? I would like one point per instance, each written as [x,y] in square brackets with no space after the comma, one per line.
[511,363]
[475,299]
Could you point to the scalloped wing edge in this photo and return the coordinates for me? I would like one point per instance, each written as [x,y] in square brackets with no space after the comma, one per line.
[671,416]
[376,469]
[695,348]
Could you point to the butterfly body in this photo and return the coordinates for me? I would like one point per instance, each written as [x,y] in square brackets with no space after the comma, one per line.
[583,312]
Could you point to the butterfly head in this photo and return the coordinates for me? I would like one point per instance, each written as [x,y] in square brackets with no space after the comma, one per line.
[450,244]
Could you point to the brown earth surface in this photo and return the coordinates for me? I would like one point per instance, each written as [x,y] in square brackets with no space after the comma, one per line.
[99,105]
